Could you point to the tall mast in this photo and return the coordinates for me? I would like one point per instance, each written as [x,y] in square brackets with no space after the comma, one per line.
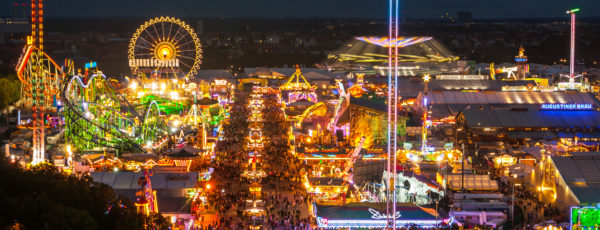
[392,136]
[37,80]
[572,53]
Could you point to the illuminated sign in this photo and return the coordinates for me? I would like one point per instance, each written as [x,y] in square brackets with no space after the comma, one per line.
[220,82]
[340,151]
[448,146]
[520,59]
[461,77]
[153,63]
[572,106]
[378,216]
[90,65]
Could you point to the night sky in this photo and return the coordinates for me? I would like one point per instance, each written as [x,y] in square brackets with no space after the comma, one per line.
[309,8]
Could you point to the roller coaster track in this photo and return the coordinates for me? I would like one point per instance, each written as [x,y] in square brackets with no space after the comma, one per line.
[98,116]
[33,59]
[342,105]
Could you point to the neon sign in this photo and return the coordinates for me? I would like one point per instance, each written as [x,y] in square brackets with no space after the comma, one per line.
[378,216]
[153,63]
[566,106]
[520,59]
[220,82]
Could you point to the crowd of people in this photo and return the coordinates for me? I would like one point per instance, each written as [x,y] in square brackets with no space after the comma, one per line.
[285,198]
[529,207]
[285,201]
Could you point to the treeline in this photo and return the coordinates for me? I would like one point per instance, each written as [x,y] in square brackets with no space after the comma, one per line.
[10,90]
[43,198]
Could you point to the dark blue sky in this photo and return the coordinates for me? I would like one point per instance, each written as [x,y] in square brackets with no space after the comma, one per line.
[310,8]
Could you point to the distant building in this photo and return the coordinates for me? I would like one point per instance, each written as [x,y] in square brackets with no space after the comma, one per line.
[199,27]
[272,39]
[516,124]
[464,16]
[447,104]
[171,190]
[14,30]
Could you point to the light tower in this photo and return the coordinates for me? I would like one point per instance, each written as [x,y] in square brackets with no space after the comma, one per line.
[392,136]
[37,81]
[572,76]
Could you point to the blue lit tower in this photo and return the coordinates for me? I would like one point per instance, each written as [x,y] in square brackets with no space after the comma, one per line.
[392,135]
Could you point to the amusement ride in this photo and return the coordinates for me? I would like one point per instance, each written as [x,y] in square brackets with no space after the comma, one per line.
[167,45]
[40,80]
[97,115]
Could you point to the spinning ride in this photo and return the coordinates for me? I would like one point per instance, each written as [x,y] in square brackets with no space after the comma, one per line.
[166,45]
[298,88]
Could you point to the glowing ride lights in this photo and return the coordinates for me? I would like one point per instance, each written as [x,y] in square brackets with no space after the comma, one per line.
[572,53]
[395,42]
[377,223]
[571,84]
[40,77]
[111,122]
[133,85]
[392,113]
[165,44]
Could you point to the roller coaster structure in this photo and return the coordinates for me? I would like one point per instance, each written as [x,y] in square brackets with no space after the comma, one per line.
[98,116]
[40,77]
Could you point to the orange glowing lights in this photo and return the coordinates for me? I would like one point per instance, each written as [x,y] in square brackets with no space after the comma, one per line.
[165,51]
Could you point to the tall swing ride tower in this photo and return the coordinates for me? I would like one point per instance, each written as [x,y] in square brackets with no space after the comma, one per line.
[572,76]
[40,79]
[37,80]
[392,135]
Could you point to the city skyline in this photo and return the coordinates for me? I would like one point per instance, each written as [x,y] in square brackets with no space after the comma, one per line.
[240,114]
[426,9]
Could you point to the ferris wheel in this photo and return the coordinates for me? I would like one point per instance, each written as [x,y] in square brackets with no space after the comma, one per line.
[167,45]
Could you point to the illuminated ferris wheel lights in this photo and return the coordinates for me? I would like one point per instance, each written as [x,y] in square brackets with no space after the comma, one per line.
[165,44]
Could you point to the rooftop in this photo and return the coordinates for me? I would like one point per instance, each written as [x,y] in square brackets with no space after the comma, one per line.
[373,215]
[581,173]
[129,180]
[495,97]
[509,118]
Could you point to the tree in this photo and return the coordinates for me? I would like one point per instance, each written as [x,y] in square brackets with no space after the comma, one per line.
[43,198]
[10,90]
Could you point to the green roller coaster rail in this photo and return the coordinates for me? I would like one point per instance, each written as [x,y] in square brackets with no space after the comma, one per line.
[97,116]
